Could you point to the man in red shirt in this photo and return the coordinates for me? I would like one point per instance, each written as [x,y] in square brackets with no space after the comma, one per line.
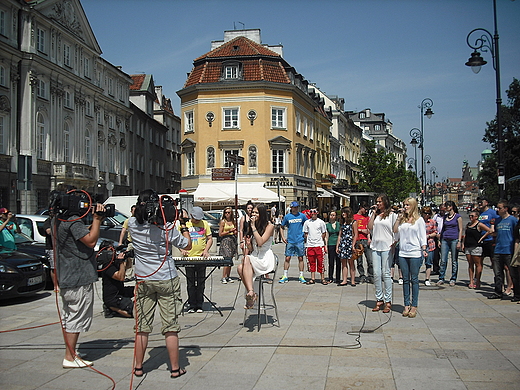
[364,239]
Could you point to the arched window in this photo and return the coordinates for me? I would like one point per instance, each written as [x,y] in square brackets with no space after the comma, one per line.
[88,148]
[41,134]
[211,157]
[252,157]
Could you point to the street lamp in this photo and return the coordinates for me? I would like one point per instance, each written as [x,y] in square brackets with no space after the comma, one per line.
[486,42]
[427,160]
[432,184]
[426,111]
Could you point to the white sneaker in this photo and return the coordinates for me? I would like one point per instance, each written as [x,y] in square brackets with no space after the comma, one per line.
[229,280]
[427,283]
[401,281]
[76,363]
[223,281]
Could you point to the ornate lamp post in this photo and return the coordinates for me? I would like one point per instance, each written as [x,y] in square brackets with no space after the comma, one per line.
[486,42]
[432,183]
[427,160]
[416,135]
[426,111]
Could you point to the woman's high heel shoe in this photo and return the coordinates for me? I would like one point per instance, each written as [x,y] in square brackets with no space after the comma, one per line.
[378,306]
[250,300]
[388,307]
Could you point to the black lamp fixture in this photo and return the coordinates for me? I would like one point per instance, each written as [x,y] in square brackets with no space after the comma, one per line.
[486,42]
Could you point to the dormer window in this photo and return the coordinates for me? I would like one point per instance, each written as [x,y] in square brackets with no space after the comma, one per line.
[232,71]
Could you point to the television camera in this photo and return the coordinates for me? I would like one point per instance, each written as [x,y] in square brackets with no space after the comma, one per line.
[76,203]
[109,253]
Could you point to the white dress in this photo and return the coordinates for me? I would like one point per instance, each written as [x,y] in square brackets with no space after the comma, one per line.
[262,258]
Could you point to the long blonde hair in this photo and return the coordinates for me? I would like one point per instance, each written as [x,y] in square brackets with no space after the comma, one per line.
[412,213]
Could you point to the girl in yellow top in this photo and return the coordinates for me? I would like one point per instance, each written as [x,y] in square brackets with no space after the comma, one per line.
[228,243]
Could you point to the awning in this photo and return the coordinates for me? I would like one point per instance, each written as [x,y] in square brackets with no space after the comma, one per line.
[323,193]
[339,194]
[225,193]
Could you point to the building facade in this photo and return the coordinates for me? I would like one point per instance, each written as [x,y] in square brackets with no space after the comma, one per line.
[242,98]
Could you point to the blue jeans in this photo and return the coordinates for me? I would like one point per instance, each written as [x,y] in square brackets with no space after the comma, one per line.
[449,246]
[410,267]
[381,261]
[429,260]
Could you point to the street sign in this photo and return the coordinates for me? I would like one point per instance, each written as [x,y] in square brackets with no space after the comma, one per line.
[234,159]
[223,174]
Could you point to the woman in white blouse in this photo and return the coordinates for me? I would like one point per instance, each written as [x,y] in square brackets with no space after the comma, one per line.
[413,247]
[381,224]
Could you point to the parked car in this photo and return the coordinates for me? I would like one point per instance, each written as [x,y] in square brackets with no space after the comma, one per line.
[216,217]
[20,274]
[32,226]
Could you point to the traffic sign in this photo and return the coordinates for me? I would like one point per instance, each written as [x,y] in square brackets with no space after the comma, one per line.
[223,174]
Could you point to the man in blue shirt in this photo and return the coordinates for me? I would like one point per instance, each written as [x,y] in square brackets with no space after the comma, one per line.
[294,243]
[488,217]
[504,228]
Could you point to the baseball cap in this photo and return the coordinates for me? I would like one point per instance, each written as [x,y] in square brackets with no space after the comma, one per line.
[197,213]
[3,210]
[295,204]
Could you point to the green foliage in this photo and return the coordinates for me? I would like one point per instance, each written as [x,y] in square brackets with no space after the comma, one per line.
[511,135]
[380,173]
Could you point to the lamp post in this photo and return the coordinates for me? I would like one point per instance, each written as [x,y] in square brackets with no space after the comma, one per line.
[432,175]
[426,110]
[427,161]
[416,135]
[487,42]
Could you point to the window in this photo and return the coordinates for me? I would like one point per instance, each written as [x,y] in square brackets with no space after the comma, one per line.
[66,143]
[41,89]
[110,86]
[3,18]
[362,115]
[298,123]
[211,157]
[2,143]
[278,117]
[88,107]
[190,163]
[66,55]
[311,130]
[86,67]
[188,122]
[88,148]
[110,121]
[2,76]
[252,157]
[67,100]
[278,160]
[231,118]
[226,154]
[40,40]
[41,136]
[305,127]
[377,127]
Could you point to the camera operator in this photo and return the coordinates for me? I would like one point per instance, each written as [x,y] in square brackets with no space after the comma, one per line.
[76,271]
[157,279]
[117,297]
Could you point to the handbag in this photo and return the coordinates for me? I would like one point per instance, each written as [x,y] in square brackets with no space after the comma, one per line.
[358,251]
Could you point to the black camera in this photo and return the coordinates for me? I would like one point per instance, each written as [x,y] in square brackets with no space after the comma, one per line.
[76,203]
[108,253]
[160,210]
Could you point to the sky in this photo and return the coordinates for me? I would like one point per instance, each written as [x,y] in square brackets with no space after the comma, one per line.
[386,55]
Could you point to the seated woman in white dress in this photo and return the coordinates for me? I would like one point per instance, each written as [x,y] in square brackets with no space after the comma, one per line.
[259,259]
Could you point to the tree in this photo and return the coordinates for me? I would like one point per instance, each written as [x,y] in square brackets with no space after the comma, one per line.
[511,135]
[380,173]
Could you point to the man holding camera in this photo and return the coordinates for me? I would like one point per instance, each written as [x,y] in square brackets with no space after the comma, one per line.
[116,297]
[76,272]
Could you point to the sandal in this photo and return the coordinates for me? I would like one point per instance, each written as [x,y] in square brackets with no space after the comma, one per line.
[378,306]
[138,369]
[179,371]
[388,307]
[311,281]
[250,301]
[324,282]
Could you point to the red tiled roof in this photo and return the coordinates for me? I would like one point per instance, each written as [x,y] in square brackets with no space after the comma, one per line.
[258,63]
[239,46]
[138,81]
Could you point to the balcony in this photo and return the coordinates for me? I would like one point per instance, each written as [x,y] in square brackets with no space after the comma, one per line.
[65,170]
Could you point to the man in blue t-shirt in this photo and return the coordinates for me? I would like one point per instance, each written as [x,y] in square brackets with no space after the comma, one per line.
[294,243]
[488,216]
[505,239]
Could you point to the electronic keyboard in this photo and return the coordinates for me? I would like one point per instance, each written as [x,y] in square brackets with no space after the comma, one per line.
[212,261]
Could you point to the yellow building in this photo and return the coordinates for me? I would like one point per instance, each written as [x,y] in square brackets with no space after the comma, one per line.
[243,98]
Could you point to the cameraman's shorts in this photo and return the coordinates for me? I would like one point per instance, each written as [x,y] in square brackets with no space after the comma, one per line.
[77,308]
[295,249]
[166,294]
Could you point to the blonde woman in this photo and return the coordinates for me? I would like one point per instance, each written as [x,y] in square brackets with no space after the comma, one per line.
[228,243]
[413,247]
